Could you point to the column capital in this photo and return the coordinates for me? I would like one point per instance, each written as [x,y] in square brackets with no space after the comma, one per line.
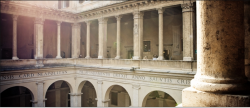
[99,82]
[39,21]
[160,10]
[75,94]
[138,14]
[88,22]
[102,20]
[14,17]
[75,24]
[39,82]
[118,17]
[187,7]
[137,87]
[58,23]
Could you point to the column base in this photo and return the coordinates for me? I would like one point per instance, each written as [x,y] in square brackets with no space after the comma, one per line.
[58,57]
[117,57]
[87,57]
[187,58]
[100,57]
[15,58]
[194,98]
[160,58]
[136,58]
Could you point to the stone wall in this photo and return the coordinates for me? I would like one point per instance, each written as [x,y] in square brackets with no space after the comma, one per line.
[247,37]
[50,39]
[66,39]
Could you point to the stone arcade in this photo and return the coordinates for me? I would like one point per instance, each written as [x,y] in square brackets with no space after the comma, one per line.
[100,53]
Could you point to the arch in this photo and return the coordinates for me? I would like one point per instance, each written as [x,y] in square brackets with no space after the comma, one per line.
[146,97]
[81,84]
[22,90]
[88,94]
[107,93]
[51,82]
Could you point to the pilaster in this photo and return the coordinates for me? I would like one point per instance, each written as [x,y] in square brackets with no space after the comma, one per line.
[76,35]
[75,99]
[99,99]
[38,37]
[135,97]
[40,99]
[102,53]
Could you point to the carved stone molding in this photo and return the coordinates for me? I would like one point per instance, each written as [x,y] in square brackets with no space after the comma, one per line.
[39,82]
[99,82]
[14,17]
[75,94]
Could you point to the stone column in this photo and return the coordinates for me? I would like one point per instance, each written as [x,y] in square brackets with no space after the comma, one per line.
[188,17]
[160,12]
[14,47]
[58,39]
[135,97]
[76,40]
[220,79]
[40,99]
[99,94]
[138,35]
[38,37]
[102,53]
[88,39]
[75,99]
[118,38]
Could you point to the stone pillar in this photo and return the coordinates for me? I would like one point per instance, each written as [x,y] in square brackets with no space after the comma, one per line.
[88,40]
[14,47]
[160,12]
[40,99]
[138,35]
[102,53]
[58,39]
[75,99]
[34,103]
[135,97]
[118,38]
[188,17]
[38,38]
[220,79]
[99,94]
[76,40]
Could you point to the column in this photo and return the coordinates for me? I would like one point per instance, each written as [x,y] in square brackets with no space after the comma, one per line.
[99,94]
[40,99]
[88,39]
[188,17]
[76,40]
[220,79]
[75,99]
[38,37]
[118,38]
[138,35]
[102,53]
[160,12]
[14,47]
[58,39]
[135,97]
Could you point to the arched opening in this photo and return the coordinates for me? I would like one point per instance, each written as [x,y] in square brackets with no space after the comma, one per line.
[58,95]
[88,95]
[17,96]
[118,97]
[158,99]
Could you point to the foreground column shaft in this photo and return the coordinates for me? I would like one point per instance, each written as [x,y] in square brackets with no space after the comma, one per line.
[76,40]
[138,35]
[220,79]
[88,40]
[14,57]
[102,51]
[118,18]
[58,39]
[160,12]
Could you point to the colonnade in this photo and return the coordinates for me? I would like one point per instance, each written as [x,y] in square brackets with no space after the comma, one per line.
[188,27]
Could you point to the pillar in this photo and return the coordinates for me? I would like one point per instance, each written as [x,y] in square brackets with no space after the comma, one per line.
[88,39]
[38,33]
[118,38]
[188,17]
[220,79]
[58,39]
[14,47]
[99,94]
[138,35]
[102,38]
[76,40]
[40,99]
[75,99]
[160,12]
[135,96]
